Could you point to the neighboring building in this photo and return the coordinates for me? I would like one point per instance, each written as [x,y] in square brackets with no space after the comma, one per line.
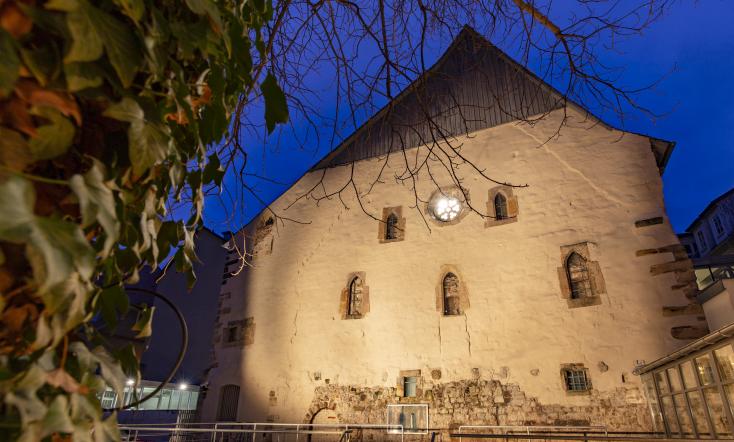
[712,232]
[199,307]
[536,315]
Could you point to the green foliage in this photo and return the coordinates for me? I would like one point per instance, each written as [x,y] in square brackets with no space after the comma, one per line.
[109,108]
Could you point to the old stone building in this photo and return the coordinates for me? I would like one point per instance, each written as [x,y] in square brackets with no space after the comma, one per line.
[535,313]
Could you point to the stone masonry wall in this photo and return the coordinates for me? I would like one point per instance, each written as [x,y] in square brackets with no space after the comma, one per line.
[587,185]
[484,402]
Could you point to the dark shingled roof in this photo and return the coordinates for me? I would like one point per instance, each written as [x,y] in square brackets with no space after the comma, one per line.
[473,86]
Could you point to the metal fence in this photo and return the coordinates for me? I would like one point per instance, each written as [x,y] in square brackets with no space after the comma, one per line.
[257,432]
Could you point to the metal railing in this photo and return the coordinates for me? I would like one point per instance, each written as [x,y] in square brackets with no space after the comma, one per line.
[505,430]
[249,431]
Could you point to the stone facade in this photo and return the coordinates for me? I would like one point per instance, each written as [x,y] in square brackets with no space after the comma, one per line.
[482,402]
[500,359]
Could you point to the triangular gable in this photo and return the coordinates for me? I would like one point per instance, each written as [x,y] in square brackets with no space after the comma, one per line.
[473,86]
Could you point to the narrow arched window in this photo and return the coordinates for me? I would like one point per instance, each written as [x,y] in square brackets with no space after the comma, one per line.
[229,397]
[391,227]
[451,301]
[500,207]
[355,297]
[577,272]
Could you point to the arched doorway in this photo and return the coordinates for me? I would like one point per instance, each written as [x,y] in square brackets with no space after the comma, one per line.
[325,416]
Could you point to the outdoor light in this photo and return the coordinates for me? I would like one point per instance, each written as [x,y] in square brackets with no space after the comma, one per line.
[183,386]
[130,382]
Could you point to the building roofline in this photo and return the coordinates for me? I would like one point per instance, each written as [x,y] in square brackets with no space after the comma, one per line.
[660,157]
[709,207]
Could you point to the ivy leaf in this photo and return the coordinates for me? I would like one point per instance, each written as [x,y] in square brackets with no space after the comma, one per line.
[113,303]
[149,143]
[213,170]
[144,324]
[60,246]
[107,430]
[80,76]
[52,139]
[15,153]
[208,8]
[86,41]
[132,8]
[110,370]
[93,31]
[10,65]
[122,47]
[42,62]
[24,397]
[57,418]
[97,203]
[276,108]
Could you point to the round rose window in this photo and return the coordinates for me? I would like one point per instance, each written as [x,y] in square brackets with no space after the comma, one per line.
[445,207]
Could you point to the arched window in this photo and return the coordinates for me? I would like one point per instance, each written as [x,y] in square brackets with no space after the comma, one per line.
[391,226]
[578,276]
[451,301]
[229,397]
[355,297]
[500,207]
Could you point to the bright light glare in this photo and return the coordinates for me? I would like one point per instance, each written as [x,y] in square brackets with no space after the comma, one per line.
[130,382]
[183,386]
[447,208]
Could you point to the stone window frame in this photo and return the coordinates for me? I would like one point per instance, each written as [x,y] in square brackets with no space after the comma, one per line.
[244,331]
[263,238]
[400,227]
[463,292]
[585,250]
[449,191]
[566,369]
[345,296]
[400,390]
[513,209]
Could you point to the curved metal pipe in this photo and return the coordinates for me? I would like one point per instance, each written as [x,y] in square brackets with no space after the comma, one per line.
[181,353]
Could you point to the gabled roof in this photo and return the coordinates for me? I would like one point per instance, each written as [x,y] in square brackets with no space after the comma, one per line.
[710,207]
[472,86]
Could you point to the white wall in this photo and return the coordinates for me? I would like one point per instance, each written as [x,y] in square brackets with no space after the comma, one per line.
[719,310]
[588,184]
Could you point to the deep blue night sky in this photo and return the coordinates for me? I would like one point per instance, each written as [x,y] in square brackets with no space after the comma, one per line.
[692,47]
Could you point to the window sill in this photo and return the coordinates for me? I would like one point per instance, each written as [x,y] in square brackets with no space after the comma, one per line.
[578,392]
[584,302]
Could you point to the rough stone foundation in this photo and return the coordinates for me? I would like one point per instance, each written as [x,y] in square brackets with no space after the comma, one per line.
[484,402]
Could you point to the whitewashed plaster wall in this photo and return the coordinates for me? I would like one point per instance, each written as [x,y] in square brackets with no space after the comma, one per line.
[589,183]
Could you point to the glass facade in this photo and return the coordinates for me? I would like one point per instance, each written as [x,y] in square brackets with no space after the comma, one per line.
[170,397]
[692,397]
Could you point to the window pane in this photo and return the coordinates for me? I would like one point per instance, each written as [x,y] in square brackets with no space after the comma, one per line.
[175,397]
[409,386]
[150,404]
[725,362]
[674,378]
[683,417]
[669,412]
[716,409]
[657,418]
[704,370]
[165,396]
[729,389]
[689,377]
[699,414]
[662,384]
[193,398]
